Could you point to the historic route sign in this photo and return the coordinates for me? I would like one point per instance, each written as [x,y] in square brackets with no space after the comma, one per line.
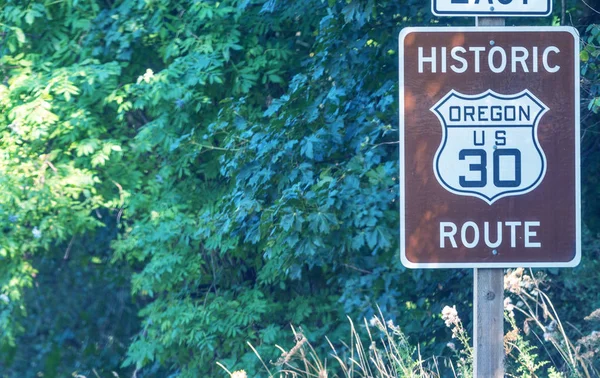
[492,8]
[489,147]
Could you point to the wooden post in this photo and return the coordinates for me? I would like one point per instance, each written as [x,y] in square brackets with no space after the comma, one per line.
[488,326]
[488,303]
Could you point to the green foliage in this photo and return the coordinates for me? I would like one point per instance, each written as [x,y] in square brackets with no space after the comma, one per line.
[50,108]
[79,313]
[589,66]
[287,155]
[244,151]
[524,356]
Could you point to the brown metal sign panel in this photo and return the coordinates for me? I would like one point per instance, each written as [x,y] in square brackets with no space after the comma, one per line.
[489,147]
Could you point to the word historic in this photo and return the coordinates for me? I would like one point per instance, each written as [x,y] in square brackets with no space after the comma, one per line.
[497,59]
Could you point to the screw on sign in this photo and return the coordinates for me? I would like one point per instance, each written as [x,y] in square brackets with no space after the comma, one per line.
[489,144]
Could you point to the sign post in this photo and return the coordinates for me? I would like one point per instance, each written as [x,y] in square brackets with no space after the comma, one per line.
[489,159]
[488,305]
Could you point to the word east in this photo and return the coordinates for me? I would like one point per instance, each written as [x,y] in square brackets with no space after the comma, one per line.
[491,2]
[472,235]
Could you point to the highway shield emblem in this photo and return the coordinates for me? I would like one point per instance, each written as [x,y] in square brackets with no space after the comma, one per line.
[489,146]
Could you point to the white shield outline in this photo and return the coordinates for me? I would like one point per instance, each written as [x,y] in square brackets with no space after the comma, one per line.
[534,128]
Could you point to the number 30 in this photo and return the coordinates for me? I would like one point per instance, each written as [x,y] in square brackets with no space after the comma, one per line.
[481,167]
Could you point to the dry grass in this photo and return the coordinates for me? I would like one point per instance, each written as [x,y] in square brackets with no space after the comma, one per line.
[379,349]
[384,353]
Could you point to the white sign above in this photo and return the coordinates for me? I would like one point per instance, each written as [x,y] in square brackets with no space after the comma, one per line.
[491,8]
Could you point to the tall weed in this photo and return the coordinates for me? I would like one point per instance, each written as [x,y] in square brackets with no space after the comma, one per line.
[536,344]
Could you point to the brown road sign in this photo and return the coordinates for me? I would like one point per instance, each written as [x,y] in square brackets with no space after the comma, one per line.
[489,147]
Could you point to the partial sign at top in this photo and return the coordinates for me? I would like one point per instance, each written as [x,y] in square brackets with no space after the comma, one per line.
[492,8]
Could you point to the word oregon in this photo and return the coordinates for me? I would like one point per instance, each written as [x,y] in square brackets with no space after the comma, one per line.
[513,59]
[471,235]
[483,113]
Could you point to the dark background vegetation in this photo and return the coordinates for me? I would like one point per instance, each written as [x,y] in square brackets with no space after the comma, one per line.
[181,177]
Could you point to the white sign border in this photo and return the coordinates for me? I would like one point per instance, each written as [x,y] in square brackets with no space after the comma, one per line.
[402,172]
[493,13]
